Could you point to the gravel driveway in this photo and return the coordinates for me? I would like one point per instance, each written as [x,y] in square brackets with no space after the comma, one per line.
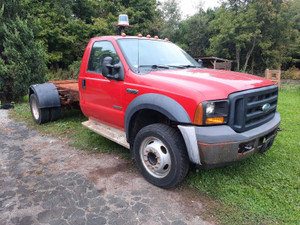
[44,181]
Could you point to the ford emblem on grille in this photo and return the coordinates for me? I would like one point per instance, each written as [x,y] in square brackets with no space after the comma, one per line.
[266,107]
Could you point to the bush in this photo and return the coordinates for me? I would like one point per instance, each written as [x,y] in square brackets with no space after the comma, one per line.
[23,60]
[71,74]
[292,73]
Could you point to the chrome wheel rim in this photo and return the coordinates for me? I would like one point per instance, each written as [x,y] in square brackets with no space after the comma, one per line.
[35,109]
[155,157]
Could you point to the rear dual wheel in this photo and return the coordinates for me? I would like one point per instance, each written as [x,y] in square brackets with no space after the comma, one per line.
[42,115]
[161,156]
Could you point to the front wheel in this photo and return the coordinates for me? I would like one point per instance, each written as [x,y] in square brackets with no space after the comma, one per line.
[161,156]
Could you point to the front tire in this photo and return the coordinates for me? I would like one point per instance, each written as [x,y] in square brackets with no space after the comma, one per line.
[161,156]
[39,115]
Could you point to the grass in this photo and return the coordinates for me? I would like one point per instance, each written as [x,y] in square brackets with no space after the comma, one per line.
[263,189]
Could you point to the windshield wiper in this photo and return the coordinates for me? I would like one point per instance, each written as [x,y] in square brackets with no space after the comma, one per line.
[156,66]
[189,66]
[176,66]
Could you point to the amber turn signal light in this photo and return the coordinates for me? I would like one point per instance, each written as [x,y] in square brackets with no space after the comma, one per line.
[214,120]
[198,117]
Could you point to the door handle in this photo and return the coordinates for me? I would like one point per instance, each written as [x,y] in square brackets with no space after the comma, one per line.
[83,84]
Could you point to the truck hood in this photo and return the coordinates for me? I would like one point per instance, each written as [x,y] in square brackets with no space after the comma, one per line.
[212,84]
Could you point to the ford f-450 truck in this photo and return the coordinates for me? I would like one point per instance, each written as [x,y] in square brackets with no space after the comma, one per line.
[150,96]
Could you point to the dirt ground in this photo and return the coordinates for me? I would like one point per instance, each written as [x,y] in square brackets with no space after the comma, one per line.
[45,181]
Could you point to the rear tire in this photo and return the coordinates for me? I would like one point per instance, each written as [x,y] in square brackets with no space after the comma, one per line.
[55,114]
[39,115]
[161,155]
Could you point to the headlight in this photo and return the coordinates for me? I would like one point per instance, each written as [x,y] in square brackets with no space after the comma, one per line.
[210,108]
[212,113]
[216,112]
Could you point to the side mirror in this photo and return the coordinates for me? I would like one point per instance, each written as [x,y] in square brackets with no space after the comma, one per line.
[108,68]
[200,62]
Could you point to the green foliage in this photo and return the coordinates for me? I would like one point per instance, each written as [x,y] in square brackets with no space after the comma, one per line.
[258,31]
[23,60]
[71,73]
[291,73]
[194,33]
[86,9]
[172,17]
[53,19]
[65,27]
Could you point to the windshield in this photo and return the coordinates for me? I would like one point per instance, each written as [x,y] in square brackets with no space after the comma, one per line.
[154,54]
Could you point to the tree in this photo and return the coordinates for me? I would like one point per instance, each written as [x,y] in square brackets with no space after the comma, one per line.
[236,34]
[52,17]
[256,29]
[23,60]
[86,10]
[194,33]
[65,26]
[172,18]
[142,15]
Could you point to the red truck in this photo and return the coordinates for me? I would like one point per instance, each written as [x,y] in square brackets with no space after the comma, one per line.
[150,96]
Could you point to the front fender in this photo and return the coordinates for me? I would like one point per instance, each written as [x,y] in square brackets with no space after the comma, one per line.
[160,103]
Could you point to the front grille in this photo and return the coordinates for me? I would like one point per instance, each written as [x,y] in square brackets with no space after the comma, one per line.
[246,107]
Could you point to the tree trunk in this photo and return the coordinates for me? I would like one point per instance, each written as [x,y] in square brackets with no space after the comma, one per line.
[249,53]
[237,53]
[252,65]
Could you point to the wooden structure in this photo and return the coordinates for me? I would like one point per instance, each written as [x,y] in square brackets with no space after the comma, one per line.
[274,76]
[215,63]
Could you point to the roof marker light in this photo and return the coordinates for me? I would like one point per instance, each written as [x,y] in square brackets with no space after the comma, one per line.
[148,36]
[156,37]
[123,35]
[166,39]
[140,35]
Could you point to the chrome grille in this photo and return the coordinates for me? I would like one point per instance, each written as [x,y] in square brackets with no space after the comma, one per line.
[246,107]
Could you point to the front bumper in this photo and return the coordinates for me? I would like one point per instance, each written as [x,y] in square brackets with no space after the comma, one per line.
[220,145]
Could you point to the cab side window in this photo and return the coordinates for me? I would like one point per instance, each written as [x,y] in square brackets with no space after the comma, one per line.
[100,50]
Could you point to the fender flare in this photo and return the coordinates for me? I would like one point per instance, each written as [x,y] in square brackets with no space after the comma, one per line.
[161,103]
[46,94]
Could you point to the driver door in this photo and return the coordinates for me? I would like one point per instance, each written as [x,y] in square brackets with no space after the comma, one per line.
[102,97]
